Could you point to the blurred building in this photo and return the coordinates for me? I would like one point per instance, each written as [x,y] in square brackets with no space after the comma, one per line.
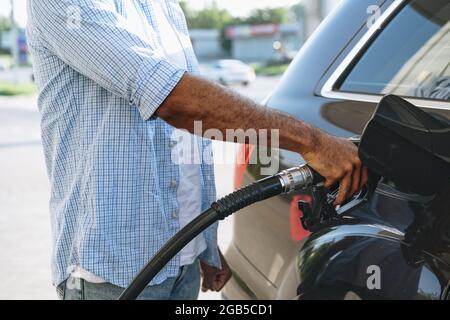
[315,12]
[265,42]
[206,43]
[5,41]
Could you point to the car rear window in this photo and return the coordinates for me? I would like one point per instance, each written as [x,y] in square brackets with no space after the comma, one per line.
[410,56]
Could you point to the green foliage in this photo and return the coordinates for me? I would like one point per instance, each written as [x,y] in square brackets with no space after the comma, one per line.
[5,23]
[270,70]
[6,59]
[214,17]
[297,12]
[11,89]
[184,6]
[209,18]
[268,15]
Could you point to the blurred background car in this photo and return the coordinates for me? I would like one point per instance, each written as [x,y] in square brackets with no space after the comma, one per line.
[229,71]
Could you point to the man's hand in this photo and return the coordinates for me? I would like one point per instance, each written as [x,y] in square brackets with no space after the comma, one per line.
[195,98]
[215,279]
[337,160]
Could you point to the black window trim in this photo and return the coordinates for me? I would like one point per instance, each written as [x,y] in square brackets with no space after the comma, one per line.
[329,88]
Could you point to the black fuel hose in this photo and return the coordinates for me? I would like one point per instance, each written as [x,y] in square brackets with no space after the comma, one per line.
[284,182]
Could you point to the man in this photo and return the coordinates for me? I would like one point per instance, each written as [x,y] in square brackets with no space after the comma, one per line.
[116,78]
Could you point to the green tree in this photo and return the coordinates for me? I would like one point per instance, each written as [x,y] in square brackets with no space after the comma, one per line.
[187,11]
[211,17]
[5,24]
[297,12]
[268,15]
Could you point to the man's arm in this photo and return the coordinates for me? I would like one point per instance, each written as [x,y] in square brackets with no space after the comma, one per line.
[197,99]
[92,38]
[104,48]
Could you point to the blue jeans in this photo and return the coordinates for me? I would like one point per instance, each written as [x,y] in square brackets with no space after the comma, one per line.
[185,286]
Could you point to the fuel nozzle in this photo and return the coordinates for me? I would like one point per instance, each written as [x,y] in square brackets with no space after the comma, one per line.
[321,208]
[285,182]
[299,178]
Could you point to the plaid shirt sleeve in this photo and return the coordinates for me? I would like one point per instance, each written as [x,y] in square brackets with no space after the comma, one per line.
[101,73]
[92,38]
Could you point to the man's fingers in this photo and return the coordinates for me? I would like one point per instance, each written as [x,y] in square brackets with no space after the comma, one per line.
[356,178]
[329,183]
[221,280]
[213,278]
[344,189]
[351,183]
[207,283]
[364,177]
[332,181]
[218,285]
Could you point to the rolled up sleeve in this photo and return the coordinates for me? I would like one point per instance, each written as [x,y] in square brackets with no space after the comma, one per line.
[153,86]
[91,37]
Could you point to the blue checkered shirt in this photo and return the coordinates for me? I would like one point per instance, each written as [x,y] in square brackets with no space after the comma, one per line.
[101,77]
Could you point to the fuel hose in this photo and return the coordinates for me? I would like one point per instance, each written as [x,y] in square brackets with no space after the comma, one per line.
[284,182]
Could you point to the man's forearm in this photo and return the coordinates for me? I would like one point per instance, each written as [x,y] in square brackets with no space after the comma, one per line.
[197,99]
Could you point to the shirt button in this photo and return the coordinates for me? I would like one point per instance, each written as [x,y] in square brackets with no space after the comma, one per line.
[174,215]
[173,183]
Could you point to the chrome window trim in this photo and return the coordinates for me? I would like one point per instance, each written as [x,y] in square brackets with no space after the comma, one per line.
[359,198]
[328,91]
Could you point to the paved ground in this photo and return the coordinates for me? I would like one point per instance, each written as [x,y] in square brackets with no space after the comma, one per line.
[24,193]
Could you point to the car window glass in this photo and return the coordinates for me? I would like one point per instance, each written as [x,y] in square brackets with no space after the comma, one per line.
[410,57]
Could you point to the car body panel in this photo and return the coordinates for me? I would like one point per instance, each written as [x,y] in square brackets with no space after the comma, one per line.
[345,258]
[387,232]
[262,233]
